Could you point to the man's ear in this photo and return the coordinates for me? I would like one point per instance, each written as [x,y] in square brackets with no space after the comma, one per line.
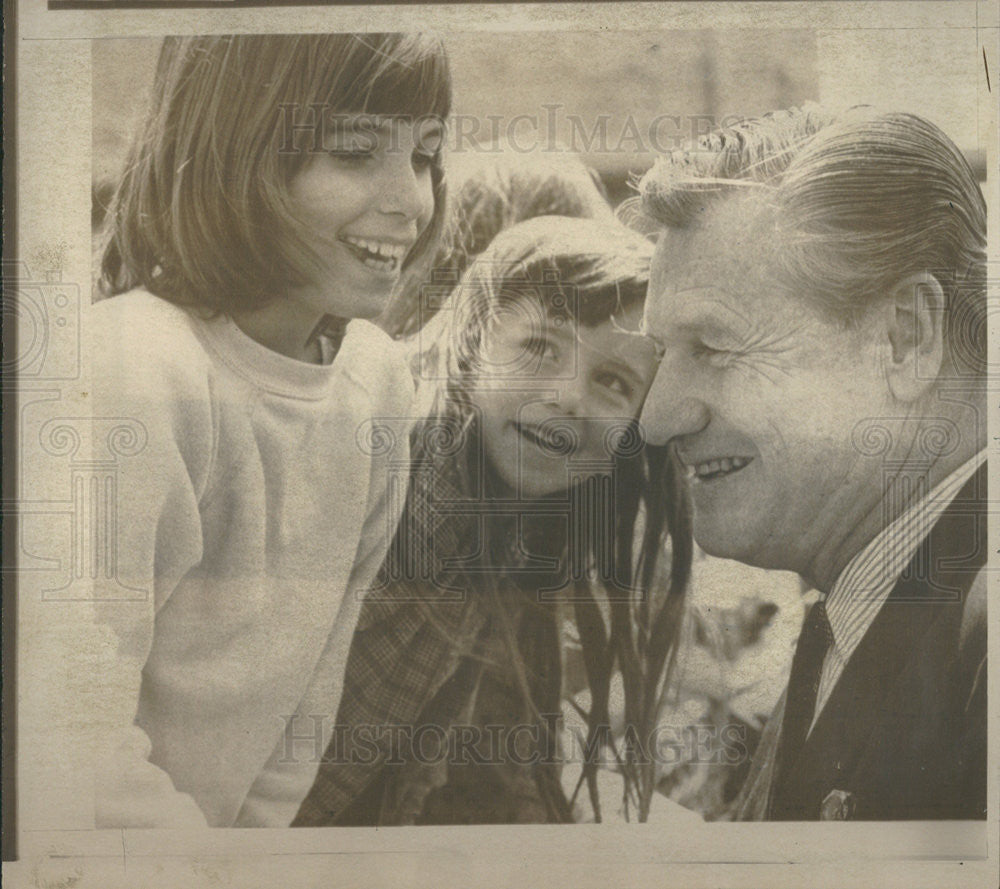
[915,327]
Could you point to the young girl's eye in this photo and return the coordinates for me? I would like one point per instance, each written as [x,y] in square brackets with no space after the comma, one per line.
[615,383]
[351,154]
[353,148]
[428,145]
[542,348]
[351,144]
[423,160]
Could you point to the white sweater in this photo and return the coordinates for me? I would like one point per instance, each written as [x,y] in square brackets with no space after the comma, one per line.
[258,502]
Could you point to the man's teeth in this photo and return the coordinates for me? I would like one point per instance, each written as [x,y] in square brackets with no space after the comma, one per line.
[721,466]
[380,251]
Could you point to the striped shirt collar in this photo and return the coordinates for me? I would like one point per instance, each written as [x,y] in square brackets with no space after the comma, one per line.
[865,583]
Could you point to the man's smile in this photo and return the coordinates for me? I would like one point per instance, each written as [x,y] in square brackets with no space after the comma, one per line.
[715,468]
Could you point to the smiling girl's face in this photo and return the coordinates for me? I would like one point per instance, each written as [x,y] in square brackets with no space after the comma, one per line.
[364,202]
[551,395]
[360,206]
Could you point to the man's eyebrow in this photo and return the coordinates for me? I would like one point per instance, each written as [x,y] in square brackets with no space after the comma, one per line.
[718,317]
[708,326]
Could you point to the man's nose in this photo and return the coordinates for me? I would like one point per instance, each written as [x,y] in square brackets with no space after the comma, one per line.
[670,410]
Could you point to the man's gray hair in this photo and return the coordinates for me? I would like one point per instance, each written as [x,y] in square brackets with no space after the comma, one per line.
[863,199]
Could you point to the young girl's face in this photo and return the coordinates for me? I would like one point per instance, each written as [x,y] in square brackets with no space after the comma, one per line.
[365,199]
[551,395]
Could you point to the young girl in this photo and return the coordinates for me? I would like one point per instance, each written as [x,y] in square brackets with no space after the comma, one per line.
[278,189]
[528,482]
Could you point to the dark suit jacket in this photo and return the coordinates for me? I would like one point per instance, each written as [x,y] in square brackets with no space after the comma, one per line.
[903,734]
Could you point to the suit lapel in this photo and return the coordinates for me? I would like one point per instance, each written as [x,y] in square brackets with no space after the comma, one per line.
[862,699]
[854,708]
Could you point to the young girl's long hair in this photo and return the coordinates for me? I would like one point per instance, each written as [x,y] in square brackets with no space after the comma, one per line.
[202,207]
[594,270]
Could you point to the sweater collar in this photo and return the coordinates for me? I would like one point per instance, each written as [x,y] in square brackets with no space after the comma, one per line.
[365,350]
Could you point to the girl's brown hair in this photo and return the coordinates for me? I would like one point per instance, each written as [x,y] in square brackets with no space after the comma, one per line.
[204,194]
[594,269]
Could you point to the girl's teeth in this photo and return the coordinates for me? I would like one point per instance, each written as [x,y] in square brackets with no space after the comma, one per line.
[723,464]
[380,250]
[384,265]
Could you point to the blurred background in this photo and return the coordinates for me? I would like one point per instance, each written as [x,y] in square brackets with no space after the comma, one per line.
[618,97]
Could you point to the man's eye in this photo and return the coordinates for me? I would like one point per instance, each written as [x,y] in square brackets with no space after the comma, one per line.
[700,350]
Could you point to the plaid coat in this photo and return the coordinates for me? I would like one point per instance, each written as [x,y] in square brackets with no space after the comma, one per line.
[419,657]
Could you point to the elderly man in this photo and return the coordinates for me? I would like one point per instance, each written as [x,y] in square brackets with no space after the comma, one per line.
[818,295]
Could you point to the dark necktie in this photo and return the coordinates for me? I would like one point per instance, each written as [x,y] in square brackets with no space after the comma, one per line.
[803,684]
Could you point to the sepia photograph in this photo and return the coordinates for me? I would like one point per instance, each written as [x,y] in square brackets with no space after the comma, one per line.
[444,434]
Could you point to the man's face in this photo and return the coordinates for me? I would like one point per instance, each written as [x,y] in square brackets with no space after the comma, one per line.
[759,392]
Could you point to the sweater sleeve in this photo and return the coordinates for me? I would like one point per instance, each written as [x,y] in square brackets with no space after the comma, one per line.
[152,378]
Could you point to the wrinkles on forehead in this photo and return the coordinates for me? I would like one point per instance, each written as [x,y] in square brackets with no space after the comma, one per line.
[736,238]
[730,254]
[719,282]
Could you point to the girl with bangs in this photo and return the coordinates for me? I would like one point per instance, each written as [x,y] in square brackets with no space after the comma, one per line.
[530,497]
[280,186]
